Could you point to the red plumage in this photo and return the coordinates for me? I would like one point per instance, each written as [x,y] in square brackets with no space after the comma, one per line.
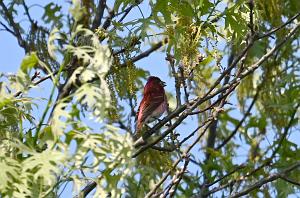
[154,102]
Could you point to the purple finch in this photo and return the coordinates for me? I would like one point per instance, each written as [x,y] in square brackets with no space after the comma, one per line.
[153,104]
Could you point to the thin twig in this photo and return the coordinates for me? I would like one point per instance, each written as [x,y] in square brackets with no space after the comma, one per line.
[145,53]
[126,12]
[247,113]
[183,81]
[185,153]
[38,82]
[263,181]
[7,29]
[228,174]
[27,12]
[280,27]
[171,60]
[161,181]
[285,178]
[176,179]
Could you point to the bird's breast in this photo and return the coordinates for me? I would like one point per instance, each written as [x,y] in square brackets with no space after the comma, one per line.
[157,112]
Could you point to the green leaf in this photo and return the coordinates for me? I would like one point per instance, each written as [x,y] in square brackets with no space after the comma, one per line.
[29,62]
[205,6]
[10,170]
[45,165]
[53,14]
[52,47]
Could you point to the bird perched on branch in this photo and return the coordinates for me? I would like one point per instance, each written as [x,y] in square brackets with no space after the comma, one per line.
[153,104]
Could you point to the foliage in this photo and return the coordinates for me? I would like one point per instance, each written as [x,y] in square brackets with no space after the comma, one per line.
[80,132]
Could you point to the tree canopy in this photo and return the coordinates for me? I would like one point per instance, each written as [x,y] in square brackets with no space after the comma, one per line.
[233,92]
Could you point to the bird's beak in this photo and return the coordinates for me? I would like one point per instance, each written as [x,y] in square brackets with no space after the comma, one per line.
[163,83]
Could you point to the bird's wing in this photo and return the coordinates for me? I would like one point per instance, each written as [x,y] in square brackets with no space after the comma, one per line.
[148,105]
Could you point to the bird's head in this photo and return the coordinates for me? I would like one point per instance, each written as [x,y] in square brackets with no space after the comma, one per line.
[154,83]
[155,80]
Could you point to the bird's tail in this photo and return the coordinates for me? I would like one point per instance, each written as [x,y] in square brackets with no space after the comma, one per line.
[137,137]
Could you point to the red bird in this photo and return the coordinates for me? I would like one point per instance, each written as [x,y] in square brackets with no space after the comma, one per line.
[153,104]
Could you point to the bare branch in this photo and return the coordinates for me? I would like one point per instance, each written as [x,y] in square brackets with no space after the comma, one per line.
[27,12]
[265,57]
[161,181]
[265,180]
[285,178]
[185,153]
[87,189]
[146,53]
[8,16]
[7,29]
[107,22]
[38,82]
[183,82]
[176,179]
[171,60]
[126,12]
[99,14]
[286,130]
[228,174]
[247,113]
[280,27]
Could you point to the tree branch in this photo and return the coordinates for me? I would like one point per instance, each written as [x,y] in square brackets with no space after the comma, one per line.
[279,28]
[171,60]
[15,27]
[176,179]
[7,29]
[107,22]
[183,82]
[146,53]
[185,153]
[228,174]
[38,82]
[286,129]
[27,12]
[87,189]
[251,25]
[161,181]
[285,178]
[99,14]
[247,113]
[265,180]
